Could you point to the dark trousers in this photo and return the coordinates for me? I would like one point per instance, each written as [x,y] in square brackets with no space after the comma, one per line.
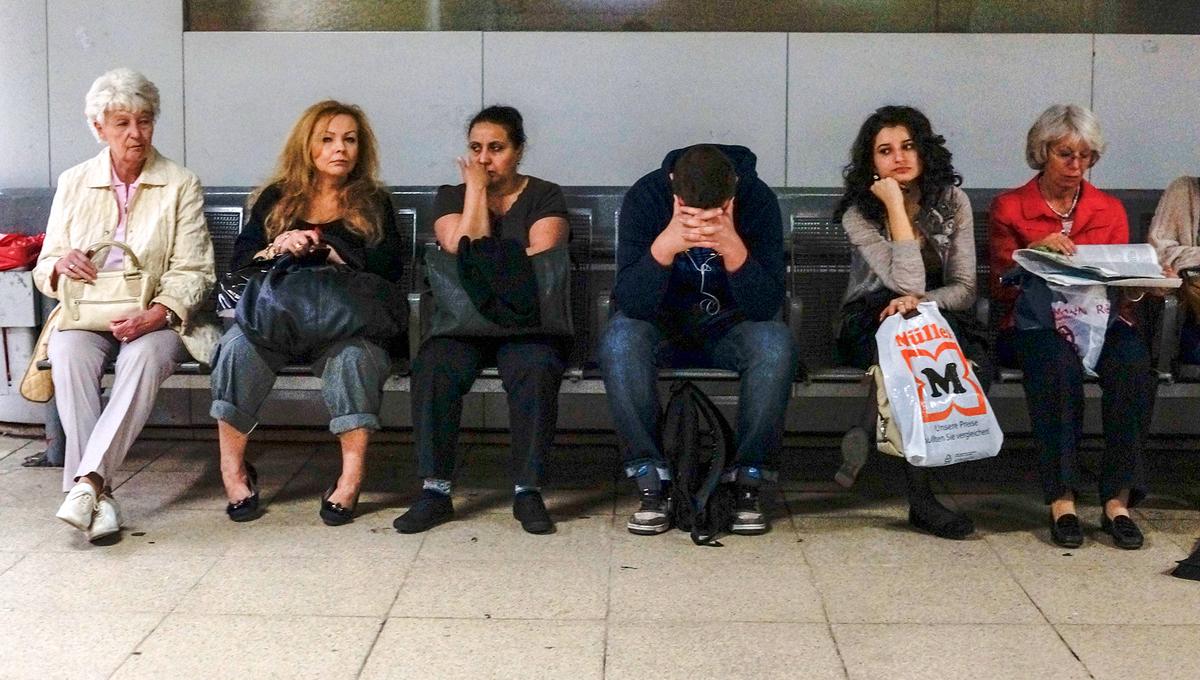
[531,370]
[1054,394]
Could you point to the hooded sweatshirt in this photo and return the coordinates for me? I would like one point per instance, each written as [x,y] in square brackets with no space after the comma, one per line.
[674,296]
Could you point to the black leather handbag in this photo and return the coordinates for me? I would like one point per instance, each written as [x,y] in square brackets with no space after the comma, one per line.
[454,314]
[302,306]
[232,284]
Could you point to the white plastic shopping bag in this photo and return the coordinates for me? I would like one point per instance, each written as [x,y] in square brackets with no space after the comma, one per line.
[1081,316]
[936,400]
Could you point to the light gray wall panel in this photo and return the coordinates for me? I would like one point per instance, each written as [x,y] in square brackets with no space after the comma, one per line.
[25,143]
[246,90]
[89,37]
[604,108]
[1148,102]
[982,92]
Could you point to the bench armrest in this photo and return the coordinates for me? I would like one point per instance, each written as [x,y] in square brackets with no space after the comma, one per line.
[419,310]
[1169,328]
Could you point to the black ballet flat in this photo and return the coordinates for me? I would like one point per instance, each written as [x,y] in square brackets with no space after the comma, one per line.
[248,508]
[336,514]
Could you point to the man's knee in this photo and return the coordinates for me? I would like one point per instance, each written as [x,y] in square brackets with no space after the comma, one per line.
[771,345]
[625,340]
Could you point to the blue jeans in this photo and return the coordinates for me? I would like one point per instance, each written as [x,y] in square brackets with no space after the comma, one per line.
[632,351]
[352,375]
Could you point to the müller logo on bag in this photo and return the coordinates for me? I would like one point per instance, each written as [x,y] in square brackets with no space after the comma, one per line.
[943,372]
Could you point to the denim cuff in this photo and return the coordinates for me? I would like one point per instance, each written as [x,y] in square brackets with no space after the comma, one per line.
[750,475]
[240,420]
[354,421]
[632,467]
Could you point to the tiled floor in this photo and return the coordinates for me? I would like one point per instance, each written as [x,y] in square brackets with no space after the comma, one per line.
[841,588]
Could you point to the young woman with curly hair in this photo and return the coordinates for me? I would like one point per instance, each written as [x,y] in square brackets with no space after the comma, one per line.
[913,237]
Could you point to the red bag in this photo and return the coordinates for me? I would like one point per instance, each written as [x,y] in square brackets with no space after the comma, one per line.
[19,251]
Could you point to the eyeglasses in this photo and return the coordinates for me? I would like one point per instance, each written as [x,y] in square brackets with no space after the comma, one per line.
[1067,155]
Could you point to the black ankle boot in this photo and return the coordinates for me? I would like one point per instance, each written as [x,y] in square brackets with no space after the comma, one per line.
[926,513]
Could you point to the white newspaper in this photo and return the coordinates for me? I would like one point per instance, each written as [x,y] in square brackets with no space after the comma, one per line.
[1135,264]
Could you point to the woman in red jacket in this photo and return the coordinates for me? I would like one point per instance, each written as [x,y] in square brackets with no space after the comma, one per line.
[1058,210]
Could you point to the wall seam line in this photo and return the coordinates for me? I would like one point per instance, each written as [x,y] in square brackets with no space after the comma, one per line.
[787,101]
[49,153]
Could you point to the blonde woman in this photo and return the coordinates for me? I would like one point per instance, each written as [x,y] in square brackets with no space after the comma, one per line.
[325,196]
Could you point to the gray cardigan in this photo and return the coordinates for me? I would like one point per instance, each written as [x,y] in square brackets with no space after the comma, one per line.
[878,263]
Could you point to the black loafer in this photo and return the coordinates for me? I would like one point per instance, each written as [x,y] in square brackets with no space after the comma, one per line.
[1066,531]
[1125,533]
[248,508]
[336,514]
[430,510]
[530,511]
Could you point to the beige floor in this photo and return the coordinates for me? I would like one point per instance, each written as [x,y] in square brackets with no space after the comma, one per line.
[841,588]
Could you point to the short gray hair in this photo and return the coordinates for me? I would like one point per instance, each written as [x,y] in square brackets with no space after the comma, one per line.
[119,89]
[1063,121]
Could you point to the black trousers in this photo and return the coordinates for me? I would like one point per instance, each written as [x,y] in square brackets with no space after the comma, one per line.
[1054,394]
[531,370]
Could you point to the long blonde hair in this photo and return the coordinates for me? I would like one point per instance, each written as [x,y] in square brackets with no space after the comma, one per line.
[296,176]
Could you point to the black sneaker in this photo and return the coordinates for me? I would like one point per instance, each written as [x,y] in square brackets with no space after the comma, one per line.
[530,511]
[748,517]
[653,517]
[430,510]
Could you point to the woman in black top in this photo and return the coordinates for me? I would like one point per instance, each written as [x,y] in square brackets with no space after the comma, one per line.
[493,200]
[325,198]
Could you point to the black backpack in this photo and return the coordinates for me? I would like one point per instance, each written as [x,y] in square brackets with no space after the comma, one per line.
[698,443]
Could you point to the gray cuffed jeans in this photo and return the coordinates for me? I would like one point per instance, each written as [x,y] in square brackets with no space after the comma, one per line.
[352,375]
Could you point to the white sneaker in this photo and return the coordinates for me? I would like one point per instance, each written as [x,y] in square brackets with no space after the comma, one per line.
[856,447]
[107,520]
[80,505]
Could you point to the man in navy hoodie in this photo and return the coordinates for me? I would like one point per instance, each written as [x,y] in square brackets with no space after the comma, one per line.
[700,281]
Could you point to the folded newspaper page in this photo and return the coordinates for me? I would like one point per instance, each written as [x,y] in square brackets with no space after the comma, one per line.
[1134,265]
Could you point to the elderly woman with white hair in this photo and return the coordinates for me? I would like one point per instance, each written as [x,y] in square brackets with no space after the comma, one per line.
[132,195]
[1057,210]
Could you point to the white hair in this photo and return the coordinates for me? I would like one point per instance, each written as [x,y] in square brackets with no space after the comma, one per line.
[1060,121]
[120,89]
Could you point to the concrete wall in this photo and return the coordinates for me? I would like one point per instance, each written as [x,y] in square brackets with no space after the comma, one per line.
[602,108]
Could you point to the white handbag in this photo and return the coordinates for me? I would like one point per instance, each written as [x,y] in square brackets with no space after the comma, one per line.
[93,305]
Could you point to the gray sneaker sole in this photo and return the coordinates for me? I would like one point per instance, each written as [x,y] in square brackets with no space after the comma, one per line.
[647,529]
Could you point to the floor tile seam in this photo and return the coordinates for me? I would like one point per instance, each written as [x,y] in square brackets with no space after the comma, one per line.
[137,647]
[1041,612]
[950,624]
[14,451]
[694,621]
[550,562]
[144,467]
[312,453]
[362,666]
[608,589]
[408,570]
[493,617]
[837,647]
[23,556]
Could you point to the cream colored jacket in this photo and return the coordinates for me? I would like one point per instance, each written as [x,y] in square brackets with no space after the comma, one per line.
[165,227]
[1175,229]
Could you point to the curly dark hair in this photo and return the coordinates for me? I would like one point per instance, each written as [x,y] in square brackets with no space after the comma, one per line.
[937,172]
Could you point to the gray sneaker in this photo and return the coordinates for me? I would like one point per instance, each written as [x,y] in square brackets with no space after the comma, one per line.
[856,447]
[654,515]
[748,517]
